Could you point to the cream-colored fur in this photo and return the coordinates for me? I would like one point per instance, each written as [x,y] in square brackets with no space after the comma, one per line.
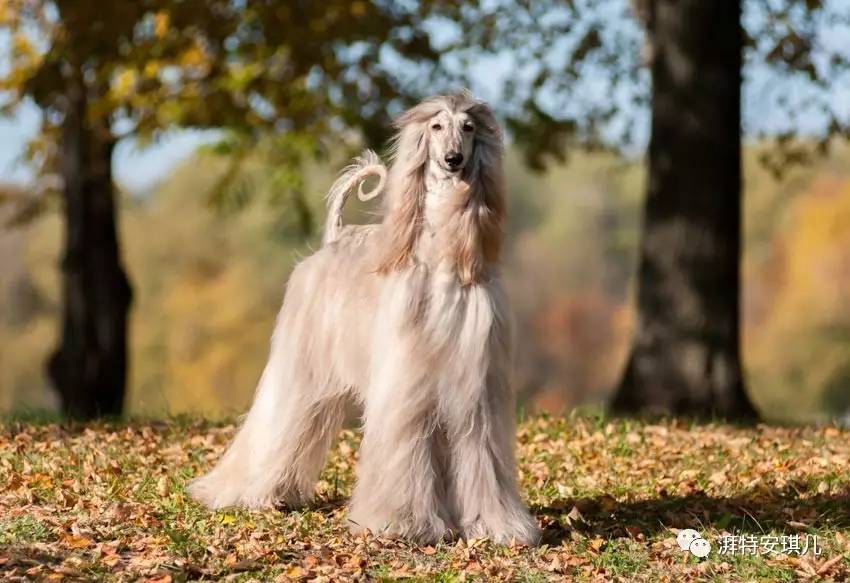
[408,318]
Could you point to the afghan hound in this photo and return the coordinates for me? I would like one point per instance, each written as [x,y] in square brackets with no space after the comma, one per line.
[407,317]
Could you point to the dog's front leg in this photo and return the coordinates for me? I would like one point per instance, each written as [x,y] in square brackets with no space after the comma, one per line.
[400,489]
[484,485]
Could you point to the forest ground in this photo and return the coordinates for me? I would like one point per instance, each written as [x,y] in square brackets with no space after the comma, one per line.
[107,501]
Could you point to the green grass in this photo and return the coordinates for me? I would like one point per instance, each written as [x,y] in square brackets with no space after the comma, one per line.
[106,501]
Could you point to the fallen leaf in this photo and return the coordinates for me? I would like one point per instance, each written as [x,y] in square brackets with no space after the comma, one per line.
[77,541]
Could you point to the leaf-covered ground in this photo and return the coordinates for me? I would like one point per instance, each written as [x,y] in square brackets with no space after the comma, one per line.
[107,502]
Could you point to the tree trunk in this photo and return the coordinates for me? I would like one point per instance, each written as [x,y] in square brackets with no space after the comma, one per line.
[685,355]
[89,367]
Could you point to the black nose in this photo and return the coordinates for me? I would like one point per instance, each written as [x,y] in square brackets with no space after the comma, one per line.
[454,158]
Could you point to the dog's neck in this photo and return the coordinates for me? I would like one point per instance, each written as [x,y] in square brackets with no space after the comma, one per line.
[439,184]
[438,180]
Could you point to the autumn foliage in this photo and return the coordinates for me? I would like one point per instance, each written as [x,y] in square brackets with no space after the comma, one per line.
[210,279]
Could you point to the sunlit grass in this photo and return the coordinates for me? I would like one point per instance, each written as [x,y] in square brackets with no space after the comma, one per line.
[106,501]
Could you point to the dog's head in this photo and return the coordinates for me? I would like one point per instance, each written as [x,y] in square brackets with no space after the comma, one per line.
[452,133]
[452,136]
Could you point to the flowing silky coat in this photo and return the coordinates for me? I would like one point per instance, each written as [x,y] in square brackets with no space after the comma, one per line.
[408,318]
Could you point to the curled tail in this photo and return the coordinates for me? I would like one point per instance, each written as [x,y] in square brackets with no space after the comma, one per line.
[364,166]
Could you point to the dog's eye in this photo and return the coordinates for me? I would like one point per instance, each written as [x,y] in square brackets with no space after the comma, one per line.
[468,127]
[436,127]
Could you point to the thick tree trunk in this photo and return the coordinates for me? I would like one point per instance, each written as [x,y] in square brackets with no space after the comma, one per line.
[685,356]
[89,367]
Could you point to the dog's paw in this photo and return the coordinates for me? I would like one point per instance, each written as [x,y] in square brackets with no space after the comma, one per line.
[205,491]
[428,531]
[215,493]
[521,528]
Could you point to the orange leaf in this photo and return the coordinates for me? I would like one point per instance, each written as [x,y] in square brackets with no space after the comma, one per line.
[77,541]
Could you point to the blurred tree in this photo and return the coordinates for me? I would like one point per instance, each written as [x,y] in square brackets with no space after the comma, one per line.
[102,71]
[577,78]
[685,355]
[308,70]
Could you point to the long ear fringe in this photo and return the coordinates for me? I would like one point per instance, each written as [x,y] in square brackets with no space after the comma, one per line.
[406,192]
[475,240]
[402,231]
[475,233]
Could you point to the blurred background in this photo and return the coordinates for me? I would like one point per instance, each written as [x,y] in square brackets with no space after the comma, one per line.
[227,121]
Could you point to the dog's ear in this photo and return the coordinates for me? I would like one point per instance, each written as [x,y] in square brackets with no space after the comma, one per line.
[406,189]
[486,173]
[483,212]
[420,113]
[480,198]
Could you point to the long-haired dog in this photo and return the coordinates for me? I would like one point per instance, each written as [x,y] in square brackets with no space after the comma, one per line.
[408,317]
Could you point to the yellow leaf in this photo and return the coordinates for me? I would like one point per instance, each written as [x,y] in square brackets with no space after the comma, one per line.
[21,45]
[77,541]
[161,23]
[228,519]
[192,57]
[124,84]
[151,69]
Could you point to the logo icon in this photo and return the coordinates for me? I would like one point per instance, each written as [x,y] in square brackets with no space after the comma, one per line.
[690,540]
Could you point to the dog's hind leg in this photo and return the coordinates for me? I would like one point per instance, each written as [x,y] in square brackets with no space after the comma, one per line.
[279,450]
